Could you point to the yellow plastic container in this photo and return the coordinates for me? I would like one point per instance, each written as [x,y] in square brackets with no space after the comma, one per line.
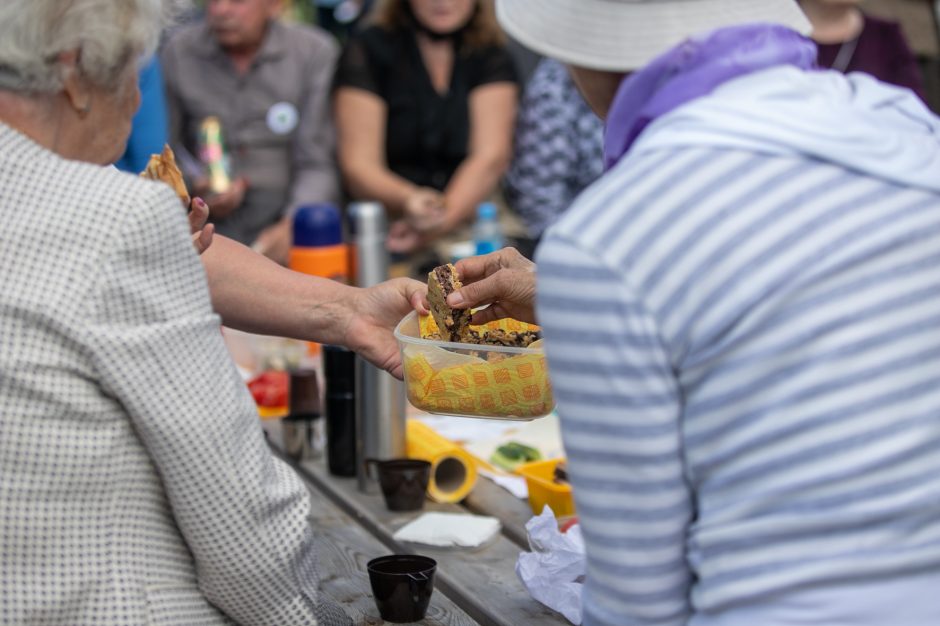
[544,490]
[494,382]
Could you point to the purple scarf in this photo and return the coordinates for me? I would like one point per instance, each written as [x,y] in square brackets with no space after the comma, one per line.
[693,69]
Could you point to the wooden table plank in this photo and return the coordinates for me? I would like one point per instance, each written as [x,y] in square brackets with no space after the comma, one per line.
[343,549]
[488,498]
[482,581]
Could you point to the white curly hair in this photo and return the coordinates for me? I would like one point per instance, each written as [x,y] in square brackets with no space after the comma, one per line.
[109,34]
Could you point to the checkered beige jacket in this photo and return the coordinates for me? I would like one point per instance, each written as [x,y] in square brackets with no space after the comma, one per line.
[135,484]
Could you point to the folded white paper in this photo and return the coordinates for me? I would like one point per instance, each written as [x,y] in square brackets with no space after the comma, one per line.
[449,530]
[553,573]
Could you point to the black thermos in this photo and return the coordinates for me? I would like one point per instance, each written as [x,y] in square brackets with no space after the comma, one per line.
[339,372]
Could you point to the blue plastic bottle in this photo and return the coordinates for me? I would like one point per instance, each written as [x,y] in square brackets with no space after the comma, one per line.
[487,233]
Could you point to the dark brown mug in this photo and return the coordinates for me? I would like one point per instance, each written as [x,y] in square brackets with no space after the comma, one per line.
[404,482]
[402,585]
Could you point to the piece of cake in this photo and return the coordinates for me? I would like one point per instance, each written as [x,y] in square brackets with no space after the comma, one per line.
[454,324]
[163,167]
[508,338]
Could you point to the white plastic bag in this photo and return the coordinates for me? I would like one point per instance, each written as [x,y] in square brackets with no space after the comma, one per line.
[553,573]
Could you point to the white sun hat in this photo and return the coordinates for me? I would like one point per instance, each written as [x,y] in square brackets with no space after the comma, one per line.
[624,35]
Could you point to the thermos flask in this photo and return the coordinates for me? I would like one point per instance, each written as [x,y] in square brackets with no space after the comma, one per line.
[318,247]
[339,372]
[318,243]
[380,398]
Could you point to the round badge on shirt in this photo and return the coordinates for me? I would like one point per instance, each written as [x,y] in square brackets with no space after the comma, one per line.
[282,118]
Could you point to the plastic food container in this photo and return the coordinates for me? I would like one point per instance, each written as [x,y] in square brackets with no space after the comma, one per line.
[543,489]
[469,380]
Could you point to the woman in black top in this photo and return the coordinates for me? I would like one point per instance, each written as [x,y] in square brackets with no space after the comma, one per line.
[425,102]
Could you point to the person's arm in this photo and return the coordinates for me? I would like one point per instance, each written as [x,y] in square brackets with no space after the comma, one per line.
[360,114]
[157,350]
[360,126]
[620,408]
[254,294]
[492,116]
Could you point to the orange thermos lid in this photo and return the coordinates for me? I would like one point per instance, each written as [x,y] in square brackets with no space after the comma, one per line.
[318,242]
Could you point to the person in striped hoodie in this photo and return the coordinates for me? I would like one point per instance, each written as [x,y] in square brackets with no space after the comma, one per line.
[742,321]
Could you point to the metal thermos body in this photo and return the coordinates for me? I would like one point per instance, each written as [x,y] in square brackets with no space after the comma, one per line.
[339,370]
[380,398]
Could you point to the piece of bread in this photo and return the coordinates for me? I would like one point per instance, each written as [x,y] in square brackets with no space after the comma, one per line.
[454,324]
[163,167]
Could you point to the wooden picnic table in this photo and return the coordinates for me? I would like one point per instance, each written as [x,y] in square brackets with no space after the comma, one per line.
[343,549]
[472,586]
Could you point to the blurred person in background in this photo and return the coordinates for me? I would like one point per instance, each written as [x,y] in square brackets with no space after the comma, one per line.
[341,17]
[135,483]
[425,102]
[742,321]
[558,148]
[268,82]
[850,40]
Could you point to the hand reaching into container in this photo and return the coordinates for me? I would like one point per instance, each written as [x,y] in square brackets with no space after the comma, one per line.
[503,279]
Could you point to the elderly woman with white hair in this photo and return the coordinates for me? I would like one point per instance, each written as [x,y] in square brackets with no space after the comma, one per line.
[742,321]
[135,483]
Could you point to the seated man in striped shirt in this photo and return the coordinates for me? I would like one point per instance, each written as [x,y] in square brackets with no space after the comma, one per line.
[742,319]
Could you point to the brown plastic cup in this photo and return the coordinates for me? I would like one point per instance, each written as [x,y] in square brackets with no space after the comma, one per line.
[404,482]
[402,585]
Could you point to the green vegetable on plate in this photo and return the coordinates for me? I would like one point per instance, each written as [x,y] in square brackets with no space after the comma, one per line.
[511,455]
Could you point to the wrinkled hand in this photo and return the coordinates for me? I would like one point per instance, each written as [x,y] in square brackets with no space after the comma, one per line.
[223,204]
[275,241]
[424,210]
[503,279]
[375,312]
[201,231]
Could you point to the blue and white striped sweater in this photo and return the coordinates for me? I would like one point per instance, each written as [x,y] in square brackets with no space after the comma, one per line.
[745,350]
